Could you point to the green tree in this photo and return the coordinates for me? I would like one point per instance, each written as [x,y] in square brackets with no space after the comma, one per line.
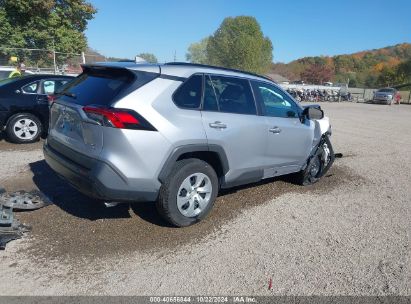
[404,72]
[388,77]
[371,81]
[44,24]
[353,83]
[150,58]
[197,52]
[239,43]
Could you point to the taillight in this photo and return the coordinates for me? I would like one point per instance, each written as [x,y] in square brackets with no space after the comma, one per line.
[51,99]
[117,118]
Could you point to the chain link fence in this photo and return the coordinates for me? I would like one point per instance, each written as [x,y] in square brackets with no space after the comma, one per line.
[47,61]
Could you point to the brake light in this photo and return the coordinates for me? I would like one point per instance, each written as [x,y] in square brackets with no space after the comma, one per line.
[51,99]
[117,118]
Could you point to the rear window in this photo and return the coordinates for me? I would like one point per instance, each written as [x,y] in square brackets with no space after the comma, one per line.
[98,86]
[386,90]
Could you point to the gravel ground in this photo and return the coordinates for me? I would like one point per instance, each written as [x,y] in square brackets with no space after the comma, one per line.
[346,235]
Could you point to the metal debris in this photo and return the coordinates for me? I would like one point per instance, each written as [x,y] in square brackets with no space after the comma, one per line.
[22,200]
[6,216]
[338,155]
[10,228]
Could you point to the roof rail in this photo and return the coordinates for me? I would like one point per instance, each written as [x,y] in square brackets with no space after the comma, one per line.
[217,68]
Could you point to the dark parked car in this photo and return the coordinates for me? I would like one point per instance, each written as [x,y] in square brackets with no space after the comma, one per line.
[24,105]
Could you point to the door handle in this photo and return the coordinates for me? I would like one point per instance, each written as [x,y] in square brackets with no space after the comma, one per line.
[275,130]
[217,125]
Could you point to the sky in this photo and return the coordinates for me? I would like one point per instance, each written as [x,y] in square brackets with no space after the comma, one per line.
[297,28]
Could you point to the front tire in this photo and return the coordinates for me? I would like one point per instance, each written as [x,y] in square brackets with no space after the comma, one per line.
[318,164]
[188,193]
[24,128]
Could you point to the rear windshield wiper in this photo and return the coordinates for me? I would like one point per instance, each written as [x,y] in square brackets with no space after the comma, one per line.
[72,95]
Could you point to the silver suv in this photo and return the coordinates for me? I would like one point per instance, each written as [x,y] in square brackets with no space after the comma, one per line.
[177,133]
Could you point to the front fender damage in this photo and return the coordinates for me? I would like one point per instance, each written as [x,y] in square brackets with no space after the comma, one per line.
[322,154]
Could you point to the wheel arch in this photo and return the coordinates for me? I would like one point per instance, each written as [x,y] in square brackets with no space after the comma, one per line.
[212,154]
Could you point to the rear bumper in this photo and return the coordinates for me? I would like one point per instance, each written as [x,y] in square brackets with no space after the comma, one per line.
[98,180]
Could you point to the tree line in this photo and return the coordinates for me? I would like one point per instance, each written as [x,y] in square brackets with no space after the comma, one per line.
[238,43]
[389,66]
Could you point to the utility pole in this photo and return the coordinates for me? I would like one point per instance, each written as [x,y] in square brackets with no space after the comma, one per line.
[175,56]
[54,58]
[54,61]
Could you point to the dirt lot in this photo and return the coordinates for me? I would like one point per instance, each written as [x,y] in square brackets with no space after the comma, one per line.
[347,235]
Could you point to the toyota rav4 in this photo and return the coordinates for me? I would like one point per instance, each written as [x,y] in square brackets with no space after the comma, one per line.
[177,133]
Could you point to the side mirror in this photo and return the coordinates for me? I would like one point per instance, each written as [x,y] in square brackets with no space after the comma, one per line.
[17,91]
[313,113]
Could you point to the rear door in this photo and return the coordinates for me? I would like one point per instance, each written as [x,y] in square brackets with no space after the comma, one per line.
[230,120]
[289,141]
[26,98]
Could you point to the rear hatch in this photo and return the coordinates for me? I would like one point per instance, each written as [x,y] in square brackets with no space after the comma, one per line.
[86,105]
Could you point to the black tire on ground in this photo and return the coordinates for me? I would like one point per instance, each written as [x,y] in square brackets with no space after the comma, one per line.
[167,201]
[308,176]
[31,134]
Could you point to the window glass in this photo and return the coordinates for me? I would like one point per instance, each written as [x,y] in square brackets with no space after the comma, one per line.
[274,102]
[233,95]
[59,85]
[4,74]
[6,81]
[97,86]
[48,86]
[210,97]
[188,95]
[53,86]
[31,88]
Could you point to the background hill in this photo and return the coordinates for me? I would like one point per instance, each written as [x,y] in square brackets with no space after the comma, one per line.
[372,68]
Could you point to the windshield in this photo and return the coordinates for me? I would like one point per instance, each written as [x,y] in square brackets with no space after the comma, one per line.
[4,74]
[386,90]
[3,82]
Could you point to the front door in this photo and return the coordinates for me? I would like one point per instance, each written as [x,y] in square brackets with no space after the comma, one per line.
[289,141]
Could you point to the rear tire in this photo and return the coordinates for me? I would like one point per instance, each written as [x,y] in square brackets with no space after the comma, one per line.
[188,193]
[24,128]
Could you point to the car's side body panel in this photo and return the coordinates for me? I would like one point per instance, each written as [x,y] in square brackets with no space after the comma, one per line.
[139,161]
